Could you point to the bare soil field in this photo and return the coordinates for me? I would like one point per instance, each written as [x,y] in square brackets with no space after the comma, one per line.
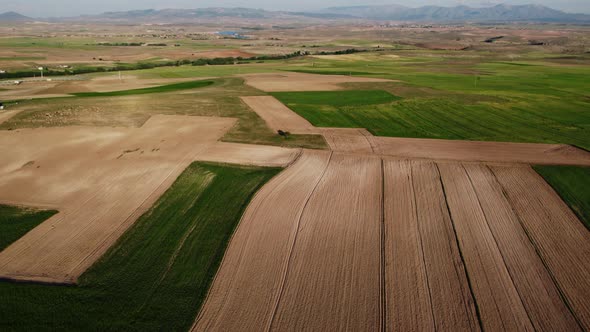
[247,154]
[360,243]
[337,250]
[561,239]
[223,54]
[127,82]
[278,116]
[100,179]
[289,81]
[348,140]
[525,153]
[5,115]
[57,87]
[248,286]
[374,234]
[31,90]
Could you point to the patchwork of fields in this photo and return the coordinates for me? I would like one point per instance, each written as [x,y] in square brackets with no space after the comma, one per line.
[157,275]
[358,243]
[443,118]
[405,192]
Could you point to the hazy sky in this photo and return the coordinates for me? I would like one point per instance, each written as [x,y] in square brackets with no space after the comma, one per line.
[48,8]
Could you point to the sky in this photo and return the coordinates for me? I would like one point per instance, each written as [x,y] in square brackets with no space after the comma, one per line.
[55,8]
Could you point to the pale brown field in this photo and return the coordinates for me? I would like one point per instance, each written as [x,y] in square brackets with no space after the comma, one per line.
[376,234]
[248,285]
[278,116]
[355,242]
[247,154]
[290,81]
[101,180]
[404,234]
[63,87]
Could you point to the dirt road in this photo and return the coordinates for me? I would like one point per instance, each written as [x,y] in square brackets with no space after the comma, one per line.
[357,140]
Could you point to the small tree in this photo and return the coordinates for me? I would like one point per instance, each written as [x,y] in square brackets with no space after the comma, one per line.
[285,134]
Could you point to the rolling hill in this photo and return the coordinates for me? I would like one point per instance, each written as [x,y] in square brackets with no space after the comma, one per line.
[500,12]
[13,17]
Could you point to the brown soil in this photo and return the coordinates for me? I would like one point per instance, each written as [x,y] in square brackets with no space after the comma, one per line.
[278,116]
[7,114]
[561,240]
[348,140]
[249,283]
[101,180]
[245,154]
[334,270]
[500,306]
[538,293]
[356,243]
[66,87]
[223,54]
[409,305]
[451,300]
[525,153]
[128,82]
[59,87]
[303,82]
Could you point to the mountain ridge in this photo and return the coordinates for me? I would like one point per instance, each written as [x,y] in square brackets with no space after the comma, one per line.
[393,12]
[500,12]
[13,17]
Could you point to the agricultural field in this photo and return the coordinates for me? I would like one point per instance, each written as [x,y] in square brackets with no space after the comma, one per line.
[535,102]
[348,177]
[572,184]
[157,274]
[17,221]
[295,272]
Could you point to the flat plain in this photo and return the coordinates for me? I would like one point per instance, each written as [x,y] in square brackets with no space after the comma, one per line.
[427,180]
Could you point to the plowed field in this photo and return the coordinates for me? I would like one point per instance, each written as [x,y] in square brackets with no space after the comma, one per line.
[101,180]
[357,242]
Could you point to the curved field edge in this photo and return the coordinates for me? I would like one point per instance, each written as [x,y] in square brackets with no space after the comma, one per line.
[573,185]
[154,89]
[17,221]
[158,274]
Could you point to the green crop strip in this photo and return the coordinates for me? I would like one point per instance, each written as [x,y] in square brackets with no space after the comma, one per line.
[158,274]
[573,185]
[16,222]
[143,91]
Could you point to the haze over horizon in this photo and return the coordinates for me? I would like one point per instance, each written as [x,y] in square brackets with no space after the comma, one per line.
[57,8]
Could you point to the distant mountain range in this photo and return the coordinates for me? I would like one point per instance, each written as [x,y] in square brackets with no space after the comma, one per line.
[13,17]
[496,13]
[500,12]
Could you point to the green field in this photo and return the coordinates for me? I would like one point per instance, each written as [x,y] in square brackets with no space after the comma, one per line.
[468,95]
[17,221]
[144,91]
[157,275]
[334,108]
[573,185]
[220,99]
[337,98]
[459,95]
